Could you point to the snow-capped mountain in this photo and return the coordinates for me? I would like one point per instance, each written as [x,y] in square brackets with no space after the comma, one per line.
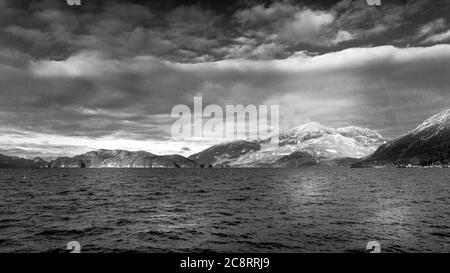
[427,144]
[434,125]
[312,142]
[326,142]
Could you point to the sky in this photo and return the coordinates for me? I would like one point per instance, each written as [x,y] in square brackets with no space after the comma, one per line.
[107,74]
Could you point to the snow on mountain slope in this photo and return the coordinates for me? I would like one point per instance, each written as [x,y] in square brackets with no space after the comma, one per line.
[436,123]
[427,144]
[362,135]
[313,138]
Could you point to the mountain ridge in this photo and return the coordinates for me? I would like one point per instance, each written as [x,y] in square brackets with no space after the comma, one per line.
[17,162]
[123,159]
[427,144]
[321,143]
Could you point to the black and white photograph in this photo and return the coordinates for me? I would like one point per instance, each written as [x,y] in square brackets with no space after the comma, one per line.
[236,126]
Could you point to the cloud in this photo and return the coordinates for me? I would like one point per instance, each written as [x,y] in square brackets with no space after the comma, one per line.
[112,103]
[432,27]
[116,28]
[342,36]
[435,31]
[438,37]
[260,14]
[84,64]
[306,26]
[246,48]
[364,21]
[432,32]
[31,35]
[287,23]
[108,75]
[198,33]
[299,25]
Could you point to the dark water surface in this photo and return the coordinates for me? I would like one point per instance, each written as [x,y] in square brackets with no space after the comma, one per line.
[225,210]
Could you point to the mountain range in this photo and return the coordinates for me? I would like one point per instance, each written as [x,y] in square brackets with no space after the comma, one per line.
[123,159]
[105,159]
[306,145]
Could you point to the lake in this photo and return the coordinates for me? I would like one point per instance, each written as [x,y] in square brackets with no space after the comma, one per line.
[225,210]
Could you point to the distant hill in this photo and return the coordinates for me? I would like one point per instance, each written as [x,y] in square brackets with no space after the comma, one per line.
[17,162]
[124,159]
[428,144]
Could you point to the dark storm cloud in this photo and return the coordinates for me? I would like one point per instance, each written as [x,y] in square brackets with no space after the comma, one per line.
[90,95]
[298,26]
[116,28]
[197,32]
[364,22]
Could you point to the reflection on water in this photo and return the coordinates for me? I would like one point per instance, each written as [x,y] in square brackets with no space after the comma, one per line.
[236,210]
